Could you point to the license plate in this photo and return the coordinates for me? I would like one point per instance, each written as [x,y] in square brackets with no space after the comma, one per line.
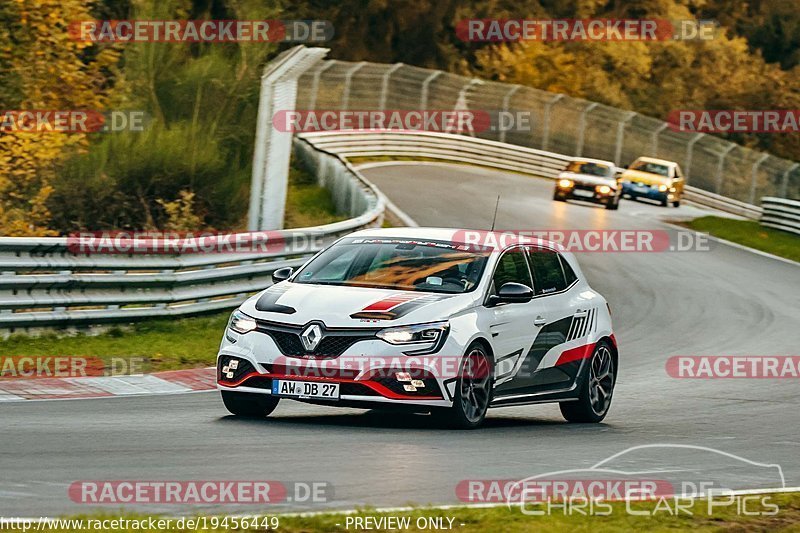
[641,189]
[583,194]
[305,389]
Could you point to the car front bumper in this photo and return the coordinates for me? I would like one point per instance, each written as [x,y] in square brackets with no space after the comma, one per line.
[586,194]
[370,371]
[644,191]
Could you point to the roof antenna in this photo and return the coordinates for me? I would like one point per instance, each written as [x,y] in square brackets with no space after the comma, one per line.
[494,218]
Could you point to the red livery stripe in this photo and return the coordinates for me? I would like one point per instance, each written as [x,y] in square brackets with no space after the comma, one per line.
[390,302]
[576,354]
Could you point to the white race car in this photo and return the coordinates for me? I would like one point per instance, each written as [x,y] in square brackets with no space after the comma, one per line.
[444,321]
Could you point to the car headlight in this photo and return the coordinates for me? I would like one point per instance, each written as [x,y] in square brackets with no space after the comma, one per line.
[663,188]
[414,334]
[603,189]
[241,323]
[565,183]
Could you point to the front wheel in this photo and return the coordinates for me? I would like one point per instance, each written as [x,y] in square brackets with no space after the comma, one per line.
[613,205]
[249,405]
[596,390]
[676,203]
[559,197]
[473,391]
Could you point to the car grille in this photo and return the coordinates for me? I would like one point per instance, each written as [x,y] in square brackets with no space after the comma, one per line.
[333,344]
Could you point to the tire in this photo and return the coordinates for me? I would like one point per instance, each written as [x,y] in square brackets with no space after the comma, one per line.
[473,391]
[613,206]
[664,203]
[559,197]
[249,405]
[676,203]
[589,407]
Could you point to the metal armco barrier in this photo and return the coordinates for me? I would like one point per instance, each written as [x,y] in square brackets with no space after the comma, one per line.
[483,152]
[44,284]
[782,214]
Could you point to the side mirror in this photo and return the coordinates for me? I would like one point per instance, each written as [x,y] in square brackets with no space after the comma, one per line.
[512,293]
[282,274]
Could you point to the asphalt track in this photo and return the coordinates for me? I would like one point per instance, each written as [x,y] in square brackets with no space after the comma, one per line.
[724,301]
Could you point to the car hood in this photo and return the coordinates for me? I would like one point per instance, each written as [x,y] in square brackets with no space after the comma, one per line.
[637,176]
[587,179]
[338,306]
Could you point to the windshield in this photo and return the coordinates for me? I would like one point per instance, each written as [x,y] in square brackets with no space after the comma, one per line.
[397,263]
[651,168]
[592,169]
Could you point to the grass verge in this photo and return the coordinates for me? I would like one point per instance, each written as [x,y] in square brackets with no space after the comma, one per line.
[749,233]
[167,344]
[656,516]
[308,204]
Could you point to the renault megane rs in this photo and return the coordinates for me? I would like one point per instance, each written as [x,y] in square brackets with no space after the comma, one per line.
[450,322]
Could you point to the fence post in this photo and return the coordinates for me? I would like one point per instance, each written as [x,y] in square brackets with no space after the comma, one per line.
[620,136]
[312,102]
[721,166]
[754,178]
[654,140]
[546,130]
[272,150]
[785,184]
[348,78]
[506,100]
[582,127]
[461,103]
[423,98]
[385,84]
[689,153]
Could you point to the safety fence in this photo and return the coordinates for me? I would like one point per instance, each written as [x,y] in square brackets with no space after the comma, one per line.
[558,124]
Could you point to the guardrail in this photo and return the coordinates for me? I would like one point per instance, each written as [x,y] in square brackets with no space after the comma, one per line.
[43,283]
[782,214]
[483,152]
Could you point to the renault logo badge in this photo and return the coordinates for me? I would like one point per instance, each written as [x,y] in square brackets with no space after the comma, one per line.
[311,337]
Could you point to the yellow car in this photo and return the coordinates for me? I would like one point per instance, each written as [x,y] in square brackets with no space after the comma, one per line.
[654,179]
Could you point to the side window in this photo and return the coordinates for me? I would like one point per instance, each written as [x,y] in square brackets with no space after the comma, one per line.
[511,267]
[547,271]
[569,274]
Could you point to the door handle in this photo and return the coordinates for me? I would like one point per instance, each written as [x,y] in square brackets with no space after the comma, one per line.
[540,321]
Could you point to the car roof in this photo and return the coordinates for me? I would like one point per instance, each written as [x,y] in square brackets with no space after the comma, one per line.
[657,161]
[495,240]
[588,160]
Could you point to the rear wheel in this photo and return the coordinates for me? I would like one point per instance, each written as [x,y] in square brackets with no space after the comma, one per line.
[249,405]
[473,391]
[596,390]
